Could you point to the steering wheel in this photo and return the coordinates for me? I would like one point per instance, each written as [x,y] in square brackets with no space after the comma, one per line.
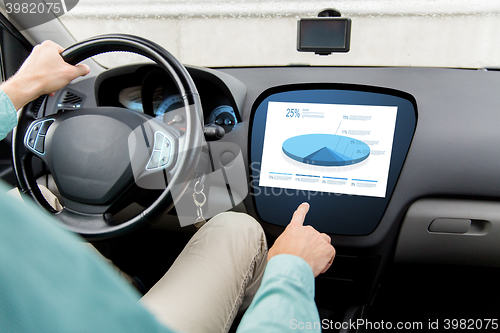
[99,155]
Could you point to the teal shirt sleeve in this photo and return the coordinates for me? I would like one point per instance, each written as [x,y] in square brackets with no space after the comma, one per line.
[8,115]
[51,282]
[285,299]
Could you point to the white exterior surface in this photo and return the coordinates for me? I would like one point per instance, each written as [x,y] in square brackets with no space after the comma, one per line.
[254,33]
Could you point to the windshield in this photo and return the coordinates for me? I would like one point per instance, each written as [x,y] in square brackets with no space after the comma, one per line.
[214,33]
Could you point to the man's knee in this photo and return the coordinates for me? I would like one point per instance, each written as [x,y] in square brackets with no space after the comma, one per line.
[237,223]
[238,229]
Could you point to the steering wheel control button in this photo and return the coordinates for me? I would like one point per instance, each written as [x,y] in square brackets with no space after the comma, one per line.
[154,160]
[158,141]
[31,141]
[35,139]
[32,138]
[161,152]
[40,142]
[45,127]
[164,159]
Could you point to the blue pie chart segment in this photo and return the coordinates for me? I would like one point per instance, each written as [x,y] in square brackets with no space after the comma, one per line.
[326,149]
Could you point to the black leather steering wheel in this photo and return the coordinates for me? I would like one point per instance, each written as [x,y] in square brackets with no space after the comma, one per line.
[98,155]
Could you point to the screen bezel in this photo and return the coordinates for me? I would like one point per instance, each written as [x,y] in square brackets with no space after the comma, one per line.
[320,49]
[330,213]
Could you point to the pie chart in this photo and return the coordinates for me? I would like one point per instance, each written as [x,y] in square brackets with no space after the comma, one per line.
[326,149]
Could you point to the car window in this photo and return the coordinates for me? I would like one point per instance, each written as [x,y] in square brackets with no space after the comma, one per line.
[452,33]
[13,51]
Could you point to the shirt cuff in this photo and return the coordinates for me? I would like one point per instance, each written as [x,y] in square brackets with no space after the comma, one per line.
[293,267]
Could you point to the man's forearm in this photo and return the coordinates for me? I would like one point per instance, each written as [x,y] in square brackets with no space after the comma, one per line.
[285,300]
[19,92]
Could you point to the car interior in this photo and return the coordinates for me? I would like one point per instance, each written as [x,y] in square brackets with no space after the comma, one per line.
[400,163]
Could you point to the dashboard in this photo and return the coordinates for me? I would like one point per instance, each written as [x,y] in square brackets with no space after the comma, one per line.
[399,164]
[147,89]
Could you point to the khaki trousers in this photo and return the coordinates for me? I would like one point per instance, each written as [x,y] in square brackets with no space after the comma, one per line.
[217,273]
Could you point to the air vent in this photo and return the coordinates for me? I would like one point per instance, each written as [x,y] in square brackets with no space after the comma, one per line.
[70,100]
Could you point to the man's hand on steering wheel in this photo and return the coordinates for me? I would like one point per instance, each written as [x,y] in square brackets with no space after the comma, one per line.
[43,72]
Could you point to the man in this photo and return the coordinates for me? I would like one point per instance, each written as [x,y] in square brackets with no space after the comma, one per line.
[51,282]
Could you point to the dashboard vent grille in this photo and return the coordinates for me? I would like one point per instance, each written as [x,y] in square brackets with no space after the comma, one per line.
[70,100]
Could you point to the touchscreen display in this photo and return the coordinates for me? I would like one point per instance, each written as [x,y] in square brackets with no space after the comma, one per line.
[334,148]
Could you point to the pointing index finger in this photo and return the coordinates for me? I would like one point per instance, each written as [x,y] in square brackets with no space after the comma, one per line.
[300,214]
